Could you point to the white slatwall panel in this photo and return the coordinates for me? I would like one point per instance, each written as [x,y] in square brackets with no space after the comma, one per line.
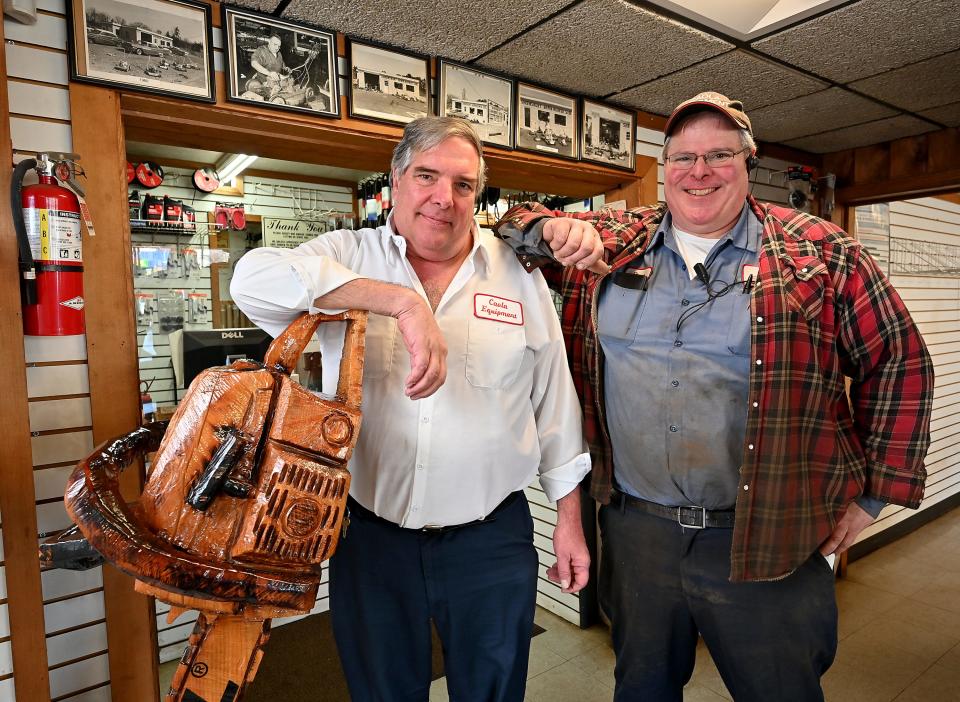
[38,72]
[934,303]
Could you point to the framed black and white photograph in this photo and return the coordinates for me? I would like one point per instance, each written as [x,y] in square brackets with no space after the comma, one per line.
[546,121]
[479,97]
[157,46]
[608,135]
[387,85]
[280,64]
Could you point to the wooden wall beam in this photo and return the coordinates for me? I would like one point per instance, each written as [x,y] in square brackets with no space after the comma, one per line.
[112,360]
[17,494]
[345,143]
[926,164]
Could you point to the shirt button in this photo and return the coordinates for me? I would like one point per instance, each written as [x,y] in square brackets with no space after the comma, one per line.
[683,267]
[759,319]
[678,343]
[415,508]
[759,363]
[674,427]
[750,446]
[756,404]
[420,465]
[746,487]
[675,383]
[684,302]
[426,420]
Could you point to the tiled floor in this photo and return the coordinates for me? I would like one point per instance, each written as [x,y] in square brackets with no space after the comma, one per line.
[899,634]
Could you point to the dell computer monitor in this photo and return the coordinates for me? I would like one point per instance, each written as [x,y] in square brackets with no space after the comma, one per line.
[207,348]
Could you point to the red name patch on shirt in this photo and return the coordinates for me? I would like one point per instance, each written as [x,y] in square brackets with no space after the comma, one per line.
[499,309]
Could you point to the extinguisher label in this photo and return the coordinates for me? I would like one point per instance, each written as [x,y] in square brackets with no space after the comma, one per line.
[74,303]
[54,235]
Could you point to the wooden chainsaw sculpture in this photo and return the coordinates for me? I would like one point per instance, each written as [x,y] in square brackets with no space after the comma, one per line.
[245,500]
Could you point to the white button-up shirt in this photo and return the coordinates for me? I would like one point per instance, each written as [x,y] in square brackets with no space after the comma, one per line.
[507,411]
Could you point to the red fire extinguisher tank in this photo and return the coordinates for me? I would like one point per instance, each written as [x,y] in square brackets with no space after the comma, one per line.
[51,214]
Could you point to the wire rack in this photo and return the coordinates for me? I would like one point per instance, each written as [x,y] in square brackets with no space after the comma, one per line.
[925,258]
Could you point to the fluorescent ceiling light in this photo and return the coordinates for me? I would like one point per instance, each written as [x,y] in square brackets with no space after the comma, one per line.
[233,165]
[747,19]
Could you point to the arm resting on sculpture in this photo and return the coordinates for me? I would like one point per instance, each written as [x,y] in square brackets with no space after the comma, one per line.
[415,320]
[273,286]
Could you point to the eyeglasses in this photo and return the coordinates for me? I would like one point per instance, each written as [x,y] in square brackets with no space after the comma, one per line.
[686,161]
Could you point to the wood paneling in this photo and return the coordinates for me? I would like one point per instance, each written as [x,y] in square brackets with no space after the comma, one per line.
[112,358]
[17,497]
[921,165]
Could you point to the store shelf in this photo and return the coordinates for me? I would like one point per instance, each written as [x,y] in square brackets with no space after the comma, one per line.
[151,227]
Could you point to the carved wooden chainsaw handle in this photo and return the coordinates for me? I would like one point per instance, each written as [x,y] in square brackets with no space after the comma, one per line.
[286,349]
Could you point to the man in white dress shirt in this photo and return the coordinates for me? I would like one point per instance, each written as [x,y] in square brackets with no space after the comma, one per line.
[454,429]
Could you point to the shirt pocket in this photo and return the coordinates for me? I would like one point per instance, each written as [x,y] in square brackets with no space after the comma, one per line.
[380,344]
[494,352]
[804,282]
[620,311]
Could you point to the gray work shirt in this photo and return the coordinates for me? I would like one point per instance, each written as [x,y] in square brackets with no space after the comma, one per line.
[678,417]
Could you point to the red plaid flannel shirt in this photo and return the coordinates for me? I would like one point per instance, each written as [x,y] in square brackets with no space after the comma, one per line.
[821,311]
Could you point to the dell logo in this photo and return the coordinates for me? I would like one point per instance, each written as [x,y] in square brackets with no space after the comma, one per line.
[231,335]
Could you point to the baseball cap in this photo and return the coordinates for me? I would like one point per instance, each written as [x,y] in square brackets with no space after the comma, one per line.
[732,109]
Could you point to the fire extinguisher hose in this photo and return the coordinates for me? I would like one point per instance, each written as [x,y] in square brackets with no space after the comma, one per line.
[28,281]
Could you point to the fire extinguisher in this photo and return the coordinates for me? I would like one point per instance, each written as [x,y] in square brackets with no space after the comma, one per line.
[47,218]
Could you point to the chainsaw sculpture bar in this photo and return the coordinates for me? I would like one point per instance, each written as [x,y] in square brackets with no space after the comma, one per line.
[249,486]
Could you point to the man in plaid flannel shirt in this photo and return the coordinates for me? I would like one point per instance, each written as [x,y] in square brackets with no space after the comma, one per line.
[711,361]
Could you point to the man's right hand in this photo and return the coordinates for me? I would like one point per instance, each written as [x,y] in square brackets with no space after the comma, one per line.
[426,346]
[575,243]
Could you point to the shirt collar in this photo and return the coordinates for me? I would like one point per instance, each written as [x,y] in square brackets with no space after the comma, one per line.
[479,252]
[744,235]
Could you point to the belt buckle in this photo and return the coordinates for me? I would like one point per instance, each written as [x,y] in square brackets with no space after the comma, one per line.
[703,517]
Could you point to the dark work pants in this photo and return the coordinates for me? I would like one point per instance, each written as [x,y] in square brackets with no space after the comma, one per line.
[661,584]
[477,583]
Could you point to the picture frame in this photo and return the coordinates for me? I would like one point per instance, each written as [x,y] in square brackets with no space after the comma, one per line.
[279,64]
[547,122]
[608,135]
[387,84]
[485,99]
[159,46]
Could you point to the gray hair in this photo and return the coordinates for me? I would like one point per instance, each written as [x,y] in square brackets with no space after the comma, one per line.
[427,132]
[746,138]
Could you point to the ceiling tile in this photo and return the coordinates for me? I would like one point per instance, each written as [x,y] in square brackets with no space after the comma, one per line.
[918,86]
[948,115]
[863,134]
[603,46]
[811,114]
[868,37]
[458,30]
[756,82]
[261,5]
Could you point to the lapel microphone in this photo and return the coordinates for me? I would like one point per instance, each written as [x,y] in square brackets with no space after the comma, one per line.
[702,275]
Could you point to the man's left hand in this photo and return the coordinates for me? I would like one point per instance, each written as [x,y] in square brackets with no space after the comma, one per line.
[853,521]
[572,569]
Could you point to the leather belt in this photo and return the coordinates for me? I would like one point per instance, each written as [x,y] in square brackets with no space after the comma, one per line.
[692,517]
[356,508]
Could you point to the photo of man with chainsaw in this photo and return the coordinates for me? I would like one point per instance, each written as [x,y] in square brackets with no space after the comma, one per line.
[281,64]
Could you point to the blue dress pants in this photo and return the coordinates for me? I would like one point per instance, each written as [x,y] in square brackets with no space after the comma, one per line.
[478,585]
[661,584]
